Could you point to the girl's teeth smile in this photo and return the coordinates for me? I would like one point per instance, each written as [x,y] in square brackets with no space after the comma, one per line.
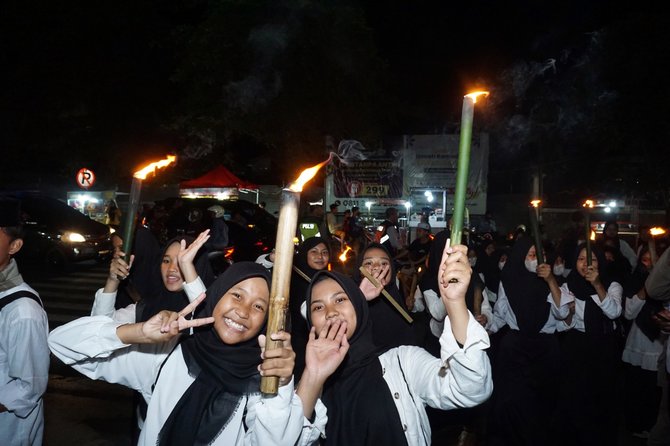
[234,325]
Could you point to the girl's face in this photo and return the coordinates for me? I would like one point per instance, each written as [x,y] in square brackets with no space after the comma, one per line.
[532,254]
[375,259]
[329,303]
[490,249]
[581,262]
[646,260]
[240,313]
[170,272]
[318,257]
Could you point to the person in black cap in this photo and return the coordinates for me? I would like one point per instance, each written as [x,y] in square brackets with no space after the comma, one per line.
[24,355]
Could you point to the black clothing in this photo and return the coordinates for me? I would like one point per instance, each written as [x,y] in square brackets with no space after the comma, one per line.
[223,373]
[299,286]
[361,410]
[389,328]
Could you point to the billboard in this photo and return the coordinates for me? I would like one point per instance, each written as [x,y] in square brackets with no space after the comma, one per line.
[389,177]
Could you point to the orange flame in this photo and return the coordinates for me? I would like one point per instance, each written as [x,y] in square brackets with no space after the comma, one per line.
[535,203]
[476,94]
[593,235]
[343,256]
[588,204]
[656,231]
[307,175]
[142,173]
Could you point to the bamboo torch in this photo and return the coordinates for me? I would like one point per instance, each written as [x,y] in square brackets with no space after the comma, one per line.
[588,205]
[134,201]
[463,164]
[283,265]
[535,226]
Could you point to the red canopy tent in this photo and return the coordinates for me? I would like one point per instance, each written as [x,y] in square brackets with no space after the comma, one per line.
[215,183]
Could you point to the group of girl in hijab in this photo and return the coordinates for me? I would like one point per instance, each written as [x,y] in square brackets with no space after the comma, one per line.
[200,376]
[548,389]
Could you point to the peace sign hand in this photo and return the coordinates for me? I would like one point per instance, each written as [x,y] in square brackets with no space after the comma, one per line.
[167,324]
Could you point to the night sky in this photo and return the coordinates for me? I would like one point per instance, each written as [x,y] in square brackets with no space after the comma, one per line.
[110,84]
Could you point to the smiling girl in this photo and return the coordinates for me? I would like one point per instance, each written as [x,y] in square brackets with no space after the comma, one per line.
[377,398]
[201,389]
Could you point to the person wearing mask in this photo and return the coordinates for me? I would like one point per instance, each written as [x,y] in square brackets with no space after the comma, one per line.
[527,362]
[24,354]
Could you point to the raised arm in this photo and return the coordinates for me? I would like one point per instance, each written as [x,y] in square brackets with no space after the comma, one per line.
[187,255]
[323,356]
[163,326]
[453,280]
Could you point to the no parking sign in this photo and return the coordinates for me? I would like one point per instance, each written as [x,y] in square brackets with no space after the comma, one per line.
[85,178]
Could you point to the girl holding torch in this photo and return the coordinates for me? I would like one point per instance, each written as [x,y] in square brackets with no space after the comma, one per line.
[590,353]
[204,388]
[312,256]
[166,280]
[531,303]
[389,328]
[376,398]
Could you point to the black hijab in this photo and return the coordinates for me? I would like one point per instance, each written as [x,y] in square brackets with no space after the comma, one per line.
[160,298]
[361,410]
[527,293]
[595,321]
[299,286]
[429,279]
[487,265]
[223,373]
[389,328]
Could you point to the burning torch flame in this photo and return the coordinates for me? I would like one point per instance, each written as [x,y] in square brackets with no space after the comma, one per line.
[307,175]
[142,173]
[656,231]
[536,203]
[343,256]
[588,204]
[593,235]
[476,94]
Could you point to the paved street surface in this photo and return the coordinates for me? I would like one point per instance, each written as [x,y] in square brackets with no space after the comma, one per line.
[80,411]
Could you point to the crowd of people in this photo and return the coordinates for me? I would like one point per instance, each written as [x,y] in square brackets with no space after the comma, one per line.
[412,337]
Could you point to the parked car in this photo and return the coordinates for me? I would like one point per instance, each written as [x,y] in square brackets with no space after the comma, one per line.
[251,229]
[56,234]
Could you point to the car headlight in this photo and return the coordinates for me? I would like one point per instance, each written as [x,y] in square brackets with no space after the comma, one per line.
[73,237]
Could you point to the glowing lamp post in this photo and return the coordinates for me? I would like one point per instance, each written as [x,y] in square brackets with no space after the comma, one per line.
[463,164]
[535,227]
[588,205]
[283,265]
[134,201]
